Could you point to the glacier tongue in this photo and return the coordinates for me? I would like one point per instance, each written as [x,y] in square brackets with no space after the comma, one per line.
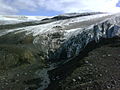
[64,39]
[61,42]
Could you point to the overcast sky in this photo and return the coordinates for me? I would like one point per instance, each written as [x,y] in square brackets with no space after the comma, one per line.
[54,7]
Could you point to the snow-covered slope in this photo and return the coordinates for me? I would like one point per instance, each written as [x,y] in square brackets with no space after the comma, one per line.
[13,19]
[58,33]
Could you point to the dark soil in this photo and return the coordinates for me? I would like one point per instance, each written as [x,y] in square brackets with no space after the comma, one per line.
[96,68]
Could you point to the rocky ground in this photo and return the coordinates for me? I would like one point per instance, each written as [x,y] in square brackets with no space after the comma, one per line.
[97,68]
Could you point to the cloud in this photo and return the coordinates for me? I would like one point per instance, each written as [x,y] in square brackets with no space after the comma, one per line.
[6,9]
[30,5]
[64,6]
[80,5]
